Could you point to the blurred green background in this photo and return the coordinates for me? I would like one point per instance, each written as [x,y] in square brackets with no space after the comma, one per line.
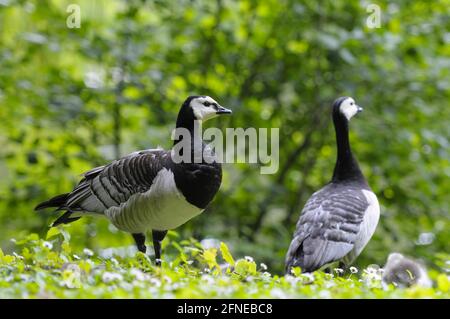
[72,99]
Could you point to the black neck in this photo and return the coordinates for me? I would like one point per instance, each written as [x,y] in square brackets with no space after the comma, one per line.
[188,124]
[347,167]
[195,133]
[186,120]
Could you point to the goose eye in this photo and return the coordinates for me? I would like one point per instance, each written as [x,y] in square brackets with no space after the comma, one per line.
[207,104]
[351,103]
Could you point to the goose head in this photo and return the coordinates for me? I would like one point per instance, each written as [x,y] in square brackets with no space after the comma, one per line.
[204,108]
[345,107]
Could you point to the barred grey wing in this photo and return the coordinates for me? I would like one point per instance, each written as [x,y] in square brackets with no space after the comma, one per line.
[327,228]
[111,185]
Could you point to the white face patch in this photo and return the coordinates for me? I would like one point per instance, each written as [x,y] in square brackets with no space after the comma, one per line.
[349,108]
[203,111]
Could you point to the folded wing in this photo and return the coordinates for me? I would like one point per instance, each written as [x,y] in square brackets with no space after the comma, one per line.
[110,185]
[327,228]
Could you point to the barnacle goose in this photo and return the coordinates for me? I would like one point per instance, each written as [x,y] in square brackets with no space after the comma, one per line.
[404,272]
[339,219]
[149,189]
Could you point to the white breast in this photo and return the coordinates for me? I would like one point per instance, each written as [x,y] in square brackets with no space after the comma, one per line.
[367,227]
[162,207]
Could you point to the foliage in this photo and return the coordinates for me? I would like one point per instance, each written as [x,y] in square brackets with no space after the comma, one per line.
[50,269]
[71,99]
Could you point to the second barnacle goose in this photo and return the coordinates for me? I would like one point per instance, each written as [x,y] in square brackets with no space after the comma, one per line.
[152,189]
[338,220]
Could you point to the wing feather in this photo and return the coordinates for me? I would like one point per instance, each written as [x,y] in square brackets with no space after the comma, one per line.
[327,228]
[111,185]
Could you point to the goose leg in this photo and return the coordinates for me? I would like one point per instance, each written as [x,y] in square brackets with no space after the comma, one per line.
[158,236]
[343,266]
[139,238]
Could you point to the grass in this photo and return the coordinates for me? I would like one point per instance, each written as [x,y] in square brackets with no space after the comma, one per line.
[48,268]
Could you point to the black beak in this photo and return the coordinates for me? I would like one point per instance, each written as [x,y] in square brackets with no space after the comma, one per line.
[222,110]
[359,109]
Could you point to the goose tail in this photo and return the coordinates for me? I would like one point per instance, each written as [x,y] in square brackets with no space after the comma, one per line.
[65,218]
[57,201]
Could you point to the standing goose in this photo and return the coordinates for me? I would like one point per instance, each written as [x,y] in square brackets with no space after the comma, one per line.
[151,189]
[338,220]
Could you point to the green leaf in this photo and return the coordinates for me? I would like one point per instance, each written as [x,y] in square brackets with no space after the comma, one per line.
[209,256]
[245,268]
[296,271]
[226,254]
[52,232]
